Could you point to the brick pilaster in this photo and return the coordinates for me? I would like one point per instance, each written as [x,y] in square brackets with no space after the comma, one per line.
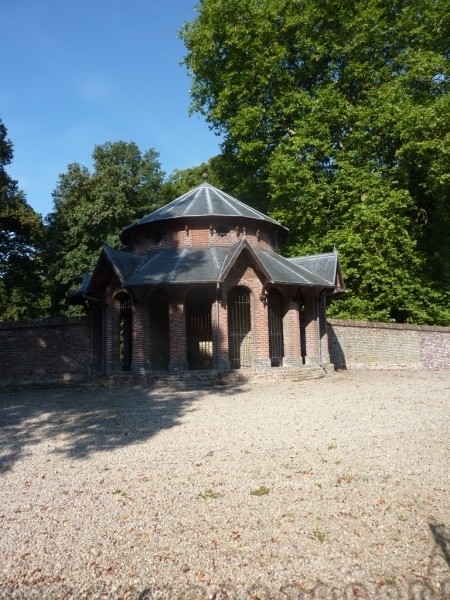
[310,328]
[138,339]
[291,333]
[177,332]
[224,358]
[260,323]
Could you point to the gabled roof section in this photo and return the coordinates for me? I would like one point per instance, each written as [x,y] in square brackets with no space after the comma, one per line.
[124,264]
[326,266]
[78,295]
[276,268]
[233,254]
[282,270]
[210,264]
[204,200]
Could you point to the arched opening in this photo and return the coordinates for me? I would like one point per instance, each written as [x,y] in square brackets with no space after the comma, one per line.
[159,331]
[125,331]
[239,328]
[276,338]
[199,335]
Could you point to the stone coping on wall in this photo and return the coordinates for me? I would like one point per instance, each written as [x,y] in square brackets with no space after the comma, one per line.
[48,322]
[382,325]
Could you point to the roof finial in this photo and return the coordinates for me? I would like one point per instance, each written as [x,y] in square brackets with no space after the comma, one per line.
[205,176]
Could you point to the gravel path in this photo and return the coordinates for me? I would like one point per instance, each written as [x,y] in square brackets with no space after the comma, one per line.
[333,488]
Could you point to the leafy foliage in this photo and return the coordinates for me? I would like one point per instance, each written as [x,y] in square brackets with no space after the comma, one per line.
[217,170]
[340,114]
[21,239]
[91,209]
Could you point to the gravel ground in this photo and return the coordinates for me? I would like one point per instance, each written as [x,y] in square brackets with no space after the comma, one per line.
[332,488]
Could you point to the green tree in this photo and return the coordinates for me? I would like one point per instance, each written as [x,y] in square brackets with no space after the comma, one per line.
[223,171]
[91,209]
[181,181]
[341,113]
[21,240]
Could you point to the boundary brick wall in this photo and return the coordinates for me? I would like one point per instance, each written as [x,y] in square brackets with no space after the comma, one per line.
[44,351]
[58,350]
[360,344]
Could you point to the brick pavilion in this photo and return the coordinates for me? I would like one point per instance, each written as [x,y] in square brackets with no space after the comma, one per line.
[201,287]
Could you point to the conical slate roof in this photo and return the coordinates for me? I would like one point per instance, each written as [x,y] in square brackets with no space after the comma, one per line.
[204,200]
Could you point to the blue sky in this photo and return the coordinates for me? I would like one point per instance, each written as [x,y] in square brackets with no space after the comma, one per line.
[78,73]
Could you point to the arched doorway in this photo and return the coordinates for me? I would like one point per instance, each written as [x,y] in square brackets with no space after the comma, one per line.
[159,331]
[239,328]
[199,336]
[276,338]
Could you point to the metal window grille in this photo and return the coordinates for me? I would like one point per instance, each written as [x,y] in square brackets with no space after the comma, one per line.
[276,339]
[240,330]
[125,332]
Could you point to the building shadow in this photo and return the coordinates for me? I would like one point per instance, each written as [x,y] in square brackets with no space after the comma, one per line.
[79,421]
[337,356]
[441,535]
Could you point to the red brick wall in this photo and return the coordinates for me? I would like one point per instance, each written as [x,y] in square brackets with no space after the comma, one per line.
[43,351]
[179,235]
[58,350]
[359,344]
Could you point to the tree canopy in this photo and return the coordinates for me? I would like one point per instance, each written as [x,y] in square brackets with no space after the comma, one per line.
[21,241]
[91,209]
[340,114]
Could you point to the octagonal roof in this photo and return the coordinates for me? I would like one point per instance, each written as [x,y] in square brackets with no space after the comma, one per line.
[205,200]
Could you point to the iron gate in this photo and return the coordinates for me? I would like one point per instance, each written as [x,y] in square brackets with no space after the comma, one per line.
[199,335]
[276,339]
[239,329]
[125,331]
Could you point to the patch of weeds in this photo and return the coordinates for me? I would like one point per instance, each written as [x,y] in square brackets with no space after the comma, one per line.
[348,478]
[402,518]
[261,491]
[332,446]
[338,462]
[208,495]
[319,485]
[391,580]
[319,535]
[120,492]
[289,466]
[105,468]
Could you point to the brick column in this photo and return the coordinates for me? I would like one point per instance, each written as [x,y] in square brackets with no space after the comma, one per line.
[177,332]
[310,328]
[291,333]
[224,358]
[260,332]
[138,339]
[323,330]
